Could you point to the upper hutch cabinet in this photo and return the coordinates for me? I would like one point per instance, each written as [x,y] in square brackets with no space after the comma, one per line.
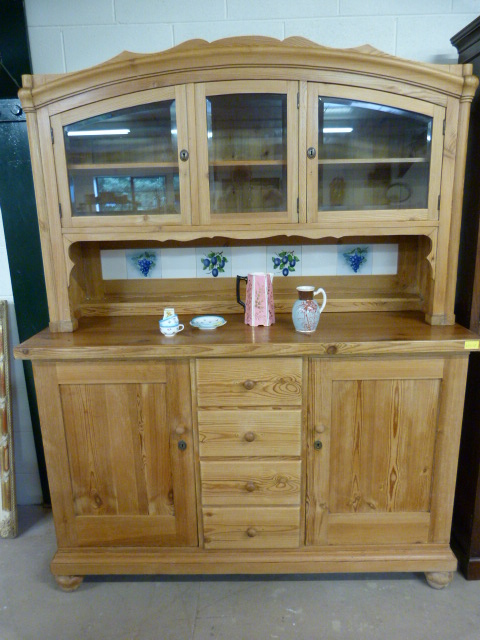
[245,140]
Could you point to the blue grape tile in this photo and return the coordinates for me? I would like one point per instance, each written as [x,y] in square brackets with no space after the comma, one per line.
[143,263]
[354,260]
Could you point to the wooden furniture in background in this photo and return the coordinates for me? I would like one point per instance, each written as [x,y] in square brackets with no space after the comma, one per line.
[251,449]
[8,504]
[466,515]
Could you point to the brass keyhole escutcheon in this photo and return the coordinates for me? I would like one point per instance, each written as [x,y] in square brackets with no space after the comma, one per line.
[184,155]
[311,153]
[317,445]
[182,445]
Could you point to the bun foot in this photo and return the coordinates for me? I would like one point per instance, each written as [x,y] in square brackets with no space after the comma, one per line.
[439,579]
[69,583]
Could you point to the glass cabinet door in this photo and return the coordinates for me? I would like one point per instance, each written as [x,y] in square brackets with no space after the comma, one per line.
[247,140]
[364,156]
[126,162]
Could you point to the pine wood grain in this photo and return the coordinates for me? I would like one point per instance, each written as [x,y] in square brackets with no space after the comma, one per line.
[341,334]
[251,432]
[130,482]
[249,382]
[252,482]
[251,528]
[349,558]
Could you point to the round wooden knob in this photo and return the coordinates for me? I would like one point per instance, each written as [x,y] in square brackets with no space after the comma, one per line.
[320,428]
[251,532]
[180,431]
[250,486]
[332,350]
[249,436]
[249,384]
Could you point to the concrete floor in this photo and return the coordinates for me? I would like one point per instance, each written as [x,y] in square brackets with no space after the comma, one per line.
[343,607]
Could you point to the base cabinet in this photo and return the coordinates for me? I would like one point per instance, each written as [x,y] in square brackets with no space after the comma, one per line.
[119,441]
[284,464]
[378,450]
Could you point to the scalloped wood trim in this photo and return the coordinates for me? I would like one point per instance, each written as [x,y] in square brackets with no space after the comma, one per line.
[243,53]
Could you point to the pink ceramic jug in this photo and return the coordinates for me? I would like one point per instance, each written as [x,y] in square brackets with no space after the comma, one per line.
[258,305]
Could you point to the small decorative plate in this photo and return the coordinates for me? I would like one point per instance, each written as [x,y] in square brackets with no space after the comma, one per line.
[208,322]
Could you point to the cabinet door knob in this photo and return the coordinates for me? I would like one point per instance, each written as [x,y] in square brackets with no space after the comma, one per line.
[320,428]
[250,486]
[180,430]
[249,384]
[184,155]
[251,532]
[249,436]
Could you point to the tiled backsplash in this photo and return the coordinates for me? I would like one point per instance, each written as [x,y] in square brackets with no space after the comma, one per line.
[226,262]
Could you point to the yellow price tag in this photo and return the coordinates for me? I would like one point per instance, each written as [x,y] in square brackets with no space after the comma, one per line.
[472,344]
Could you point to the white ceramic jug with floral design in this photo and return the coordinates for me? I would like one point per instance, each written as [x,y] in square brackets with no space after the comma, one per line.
[306,310]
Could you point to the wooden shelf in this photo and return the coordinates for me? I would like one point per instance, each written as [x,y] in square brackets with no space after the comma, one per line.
[373,160]
[114,166]
[108,166]
[247,163]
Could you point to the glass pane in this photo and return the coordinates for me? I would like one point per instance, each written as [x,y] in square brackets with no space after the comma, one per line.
[124,162]
[372,156]
[247,152]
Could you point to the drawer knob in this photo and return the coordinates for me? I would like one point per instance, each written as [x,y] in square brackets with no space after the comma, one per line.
[249,436]
[250,486]
[251,532]
[249,384]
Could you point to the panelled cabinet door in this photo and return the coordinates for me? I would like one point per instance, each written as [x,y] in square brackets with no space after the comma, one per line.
[124,160]
[373,452]
[247,145]
[123,447]
[372,156]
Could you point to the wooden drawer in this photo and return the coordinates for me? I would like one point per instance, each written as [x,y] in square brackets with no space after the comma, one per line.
[251,528]
[249,381]
[263,482]
[250,433]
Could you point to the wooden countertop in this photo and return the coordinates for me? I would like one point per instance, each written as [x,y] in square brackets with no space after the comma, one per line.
[337,334]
